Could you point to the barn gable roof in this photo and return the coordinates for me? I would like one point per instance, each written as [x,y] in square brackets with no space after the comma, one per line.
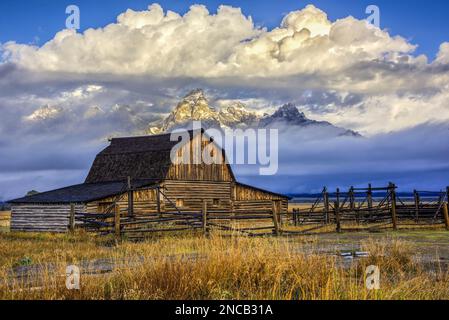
[83,193]
[136,157]
[146,157]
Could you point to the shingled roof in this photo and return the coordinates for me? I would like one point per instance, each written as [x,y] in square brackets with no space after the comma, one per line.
[146,157]
[82,193]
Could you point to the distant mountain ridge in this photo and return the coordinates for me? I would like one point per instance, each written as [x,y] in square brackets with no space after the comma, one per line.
[195,107]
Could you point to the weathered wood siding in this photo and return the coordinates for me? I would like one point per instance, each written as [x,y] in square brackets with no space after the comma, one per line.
[259,206]
[42,217]
[247,193]
[194,192]
[251,200]
[221,196]
[202,171]
[145,202]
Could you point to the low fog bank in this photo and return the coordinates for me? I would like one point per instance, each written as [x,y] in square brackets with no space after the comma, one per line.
[412,158]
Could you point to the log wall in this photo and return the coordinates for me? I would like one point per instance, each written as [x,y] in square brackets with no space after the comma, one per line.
[145,202]
[194,192]
[42,217]
[248,193]
[252,200]
[190,193]
[189,196]
[259,206]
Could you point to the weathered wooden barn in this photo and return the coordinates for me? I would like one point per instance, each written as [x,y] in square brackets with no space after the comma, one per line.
[137,174]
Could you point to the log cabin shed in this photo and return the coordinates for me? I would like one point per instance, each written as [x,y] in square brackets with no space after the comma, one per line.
[137,173]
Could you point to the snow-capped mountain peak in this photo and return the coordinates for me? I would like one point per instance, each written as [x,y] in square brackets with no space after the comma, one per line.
[290,112]
[195,107]
[237,115]
[45,113]
[195,96]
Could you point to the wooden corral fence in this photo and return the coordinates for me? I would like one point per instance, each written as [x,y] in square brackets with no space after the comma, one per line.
[373,209]
[358,209]
[133,224]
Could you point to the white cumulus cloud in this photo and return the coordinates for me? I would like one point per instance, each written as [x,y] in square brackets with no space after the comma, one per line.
[201,44]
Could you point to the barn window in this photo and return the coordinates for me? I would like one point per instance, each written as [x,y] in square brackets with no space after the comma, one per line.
[216,202]
[179,203]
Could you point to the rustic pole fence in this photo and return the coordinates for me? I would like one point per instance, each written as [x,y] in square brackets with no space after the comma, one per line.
[295,217]
[337,216]
[277,231]
[394,220]
[72,218]
[158,204]
[326,206]
[337,197]
[204,218]
[279,213]
[446,210]
[352,205]
[369,199]
[417,201]
[117,227]
[130,199]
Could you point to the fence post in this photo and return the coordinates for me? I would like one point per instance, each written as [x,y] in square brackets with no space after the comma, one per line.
[446,209]
[158,198]
[204,217]
[130,199]
[370,200]
[279,212]
[392,188]
[326,206]
[417,201]
[352,205]
[72,218]
[117,228]
[275,219]
[337,216]
[337,197]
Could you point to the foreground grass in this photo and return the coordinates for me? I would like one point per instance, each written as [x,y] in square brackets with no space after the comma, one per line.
[193,267]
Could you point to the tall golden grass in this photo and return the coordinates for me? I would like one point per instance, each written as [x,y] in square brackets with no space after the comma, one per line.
[194,267]
[5,217]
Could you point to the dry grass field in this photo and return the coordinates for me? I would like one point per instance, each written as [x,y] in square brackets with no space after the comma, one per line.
[413,266]
[5,217]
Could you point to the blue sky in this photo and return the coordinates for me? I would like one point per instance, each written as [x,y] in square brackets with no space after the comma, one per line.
[36,21]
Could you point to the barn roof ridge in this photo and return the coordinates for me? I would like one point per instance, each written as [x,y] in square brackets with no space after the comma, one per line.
[159,135]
